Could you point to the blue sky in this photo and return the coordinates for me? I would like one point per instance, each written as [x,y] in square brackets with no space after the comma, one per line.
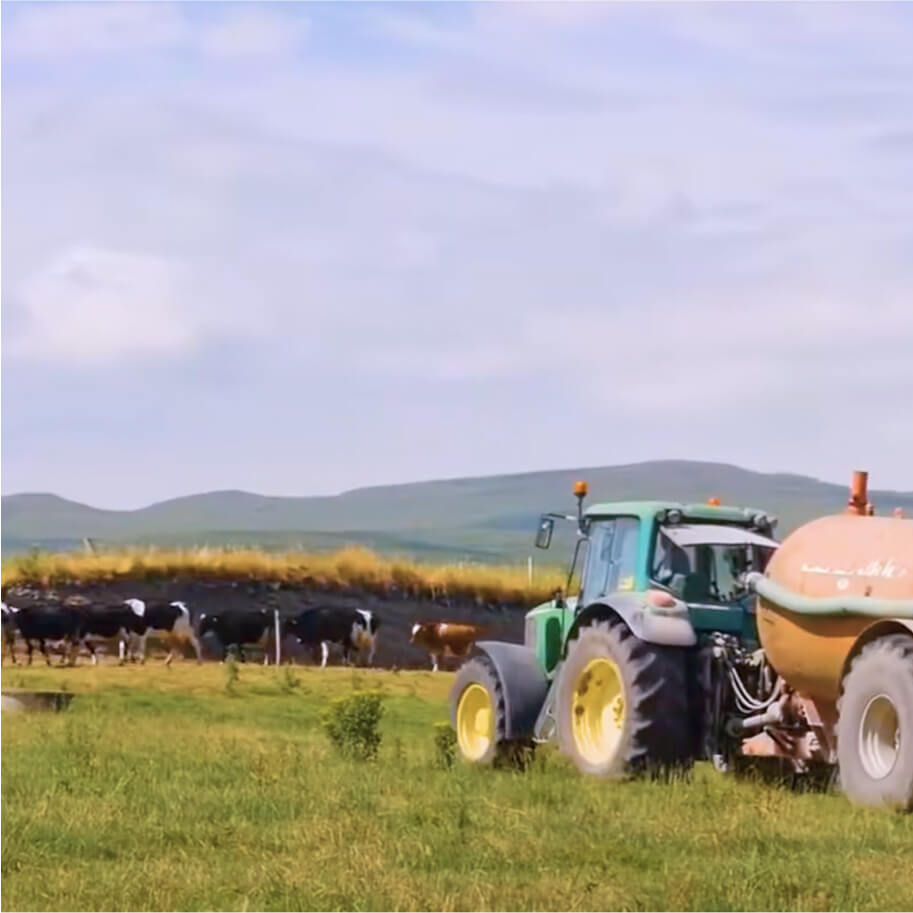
[299,248]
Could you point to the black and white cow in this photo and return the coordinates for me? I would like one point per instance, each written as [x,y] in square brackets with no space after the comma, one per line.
[237,627]
[59,627]
[107,622]
[9,631]
[350,629]
[169,621]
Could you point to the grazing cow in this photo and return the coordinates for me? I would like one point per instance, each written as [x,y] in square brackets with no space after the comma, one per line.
[9,631]
[235,628]
[107,622]
[59,627]
[446,638]
[168,620]
[350,629]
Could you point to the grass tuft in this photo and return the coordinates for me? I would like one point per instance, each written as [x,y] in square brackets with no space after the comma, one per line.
[445,745]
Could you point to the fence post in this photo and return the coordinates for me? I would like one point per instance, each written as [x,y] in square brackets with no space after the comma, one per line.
[529,569]
[276,619]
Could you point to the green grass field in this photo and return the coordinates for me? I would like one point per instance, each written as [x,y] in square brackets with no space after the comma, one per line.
[169,790]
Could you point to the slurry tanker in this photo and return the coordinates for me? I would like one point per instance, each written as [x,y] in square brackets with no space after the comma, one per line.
[693,634]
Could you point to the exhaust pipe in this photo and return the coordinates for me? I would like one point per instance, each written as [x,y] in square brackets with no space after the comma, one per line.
[858,503]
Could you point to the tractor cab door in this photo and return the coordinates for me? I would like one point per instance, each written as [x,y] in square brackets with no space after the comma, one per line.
[611,564]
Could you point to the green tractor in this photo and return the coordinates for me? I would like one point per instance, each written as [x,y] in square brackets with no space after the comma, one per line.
[647,664]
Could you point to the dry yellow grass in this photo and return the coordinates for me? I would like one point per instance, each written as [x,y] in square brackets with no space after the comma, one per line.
[348,567]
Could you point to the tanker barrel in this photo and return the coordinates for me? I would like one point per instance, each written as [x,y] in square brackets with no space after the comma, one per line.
[825,585]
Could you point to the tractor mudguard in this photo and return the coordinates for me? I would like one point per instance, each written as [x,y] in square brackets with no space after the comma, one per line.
[524,684]
[668,627]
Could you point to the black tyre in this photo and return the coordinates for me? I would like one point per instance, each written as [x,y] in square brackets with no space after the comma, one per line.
[875,725]
[479,718]
[622,704]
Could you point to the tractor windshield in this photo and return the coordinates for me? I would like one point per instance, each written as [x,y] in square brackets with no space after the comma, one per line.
[705,563]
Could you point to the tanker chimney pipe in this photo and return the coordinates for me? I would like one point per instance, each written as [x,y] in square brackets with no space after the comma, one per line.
[859,496]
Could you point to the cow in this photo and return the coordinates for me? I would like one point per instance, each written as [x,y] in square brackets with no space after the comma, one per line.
[350,629]
[235,628]
[168,620]
[106,622]
[9,631]
[445,638]
[44,625]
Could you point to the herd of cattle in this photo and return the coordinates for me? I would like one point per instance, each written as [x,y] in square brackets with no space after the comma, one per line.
[78,625]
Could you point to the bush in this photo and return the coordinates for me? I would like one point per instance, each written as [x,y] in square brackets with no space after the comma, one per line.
[352,724]
[445,745]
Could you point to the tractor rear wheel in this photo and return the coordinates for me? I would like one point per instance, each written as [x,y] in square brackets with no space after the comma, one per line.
[875,725]
[622,704]
[479,717]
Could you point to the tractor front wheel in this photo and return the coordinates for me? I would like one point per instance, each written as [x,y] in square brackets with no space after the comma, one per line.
[479,717]
[622,704]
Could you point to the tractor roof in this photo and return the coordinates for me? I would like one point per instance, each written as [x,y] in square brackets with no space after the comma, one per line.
[647,509]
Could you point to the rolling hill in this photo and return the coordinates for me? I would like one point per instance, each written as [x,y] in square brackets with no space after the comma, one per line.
[473,518]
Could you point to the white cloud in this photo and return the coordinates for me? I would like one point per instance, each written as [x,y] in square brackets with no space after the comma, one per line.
[59,29]
[751,351]
[252,33]
[87,29]
[92,306]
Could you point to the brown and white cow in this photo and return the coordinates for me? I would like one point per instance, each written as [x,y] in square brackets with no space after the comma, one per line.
[446,638]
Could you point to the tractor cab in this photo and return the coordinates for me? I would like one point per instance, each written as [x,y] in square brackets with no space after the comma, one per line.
[704,565]
[655,559]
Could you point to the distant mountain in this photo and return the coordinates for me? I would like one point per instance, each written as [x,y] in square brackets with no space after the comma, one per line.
[480,518]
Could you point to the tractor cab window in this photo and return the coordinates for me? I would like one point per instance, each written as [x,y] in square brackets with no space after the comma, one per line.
[612,557]
[709,571]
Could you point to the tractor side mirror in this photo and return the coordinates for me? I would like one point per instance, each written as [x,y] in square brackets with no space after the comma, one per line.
[544,533]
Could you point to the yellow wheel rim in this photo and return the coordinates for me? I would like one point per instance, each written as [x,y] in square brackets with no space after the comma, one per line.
[475,722]
[598,711]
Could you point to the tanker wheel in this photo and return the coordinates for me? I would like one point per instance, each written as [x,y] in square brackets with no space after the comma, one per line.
[875,725]
[622,704]
[480,720]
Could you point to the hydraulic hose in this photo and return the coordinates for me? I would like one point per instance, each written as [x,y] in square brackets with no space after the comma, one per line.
[827,605]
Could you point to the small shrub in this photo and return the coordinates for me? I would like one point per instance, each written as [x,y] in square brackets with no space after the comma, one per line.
[445,743]
[352,724]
